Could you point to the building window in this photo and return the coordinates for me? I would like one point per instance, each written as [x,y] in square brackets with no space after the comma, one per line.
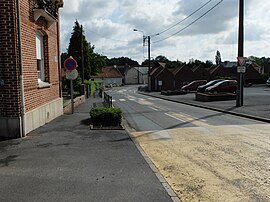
[40,56]
[42,60]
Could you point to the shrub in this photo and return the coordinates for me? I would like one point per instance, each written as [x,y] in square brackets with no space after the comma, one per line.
[94,85]
[106,116]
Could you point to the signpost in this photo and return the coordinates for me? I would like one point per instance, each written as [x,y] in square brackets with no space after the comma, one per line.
[241,70]
[70,64]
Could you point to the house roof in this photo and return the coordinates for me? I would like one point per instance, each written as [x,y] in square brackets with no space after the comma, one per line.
[155,71]
[142,69]
[109,72]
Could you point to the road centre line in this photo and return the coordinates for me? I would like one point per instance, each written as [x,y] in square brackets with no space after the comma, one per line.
[175,117]
[192,117]
[154,108]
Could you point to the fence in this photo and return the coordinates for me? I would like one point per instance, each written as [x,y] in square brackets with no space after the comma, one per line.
[107,100]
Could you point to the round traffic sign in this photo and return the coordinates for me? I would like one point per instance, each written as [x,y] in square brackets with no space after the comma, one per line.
[72,75]
[70,63]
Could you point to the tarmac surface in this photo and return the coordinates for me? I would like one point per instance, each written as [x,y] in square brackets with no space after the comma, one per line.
[255,107]
[66,161]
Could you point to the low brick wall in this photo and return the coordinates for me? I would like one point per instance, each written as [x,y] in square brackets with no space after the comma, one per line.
[77,101]
[204,97]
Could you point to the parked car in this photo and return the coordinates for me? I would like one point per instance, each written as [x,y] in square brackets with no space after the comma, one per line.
[268,82]
[202,88]
[229,86]
[192,86]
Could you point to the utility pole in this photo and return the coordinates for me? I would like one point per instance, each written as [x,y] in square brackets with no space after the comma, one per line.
[82,56]
[149,55]
[240,85]
[149,65]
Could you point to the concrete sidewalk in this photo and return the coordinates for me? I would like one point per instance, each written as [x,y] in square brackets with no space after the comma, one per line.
[66,161]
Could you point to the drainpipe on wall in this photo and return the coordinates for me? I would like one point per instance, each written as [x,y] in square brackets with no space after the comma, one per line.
[59,59]
[22,124]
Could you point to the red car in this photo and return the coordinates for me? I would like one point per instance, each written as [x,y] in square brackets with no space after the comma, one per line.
[229,86]
[192,86]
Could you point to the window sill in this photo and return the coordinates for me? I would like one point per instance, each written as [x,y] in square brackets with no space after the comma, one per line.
[42,84]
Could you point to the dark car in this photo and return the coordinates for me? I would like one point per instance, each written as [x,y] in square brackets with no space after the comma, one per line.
[192,86]
[268,82]
[202,88]
[229,86]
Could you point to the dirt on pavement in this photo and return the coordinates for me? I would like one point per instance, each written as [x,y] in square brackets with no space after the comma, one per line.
[212,163]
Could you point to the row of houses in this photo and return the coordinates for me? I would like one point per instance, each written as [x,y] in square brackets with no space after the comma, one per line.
[163,78]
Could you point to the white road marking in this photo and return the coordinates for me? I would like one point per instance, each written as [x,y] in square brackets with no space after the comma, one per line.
[122,100]
[132,99]
[187,115]
[154,108]
[150,98]
[175,117]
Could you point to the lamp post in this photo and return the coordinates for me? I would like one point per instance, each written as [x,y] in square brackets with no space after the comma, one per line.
[149,54]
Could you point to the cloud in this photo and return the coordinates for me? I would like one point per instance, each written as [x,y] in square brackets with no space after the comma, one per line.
[109,25]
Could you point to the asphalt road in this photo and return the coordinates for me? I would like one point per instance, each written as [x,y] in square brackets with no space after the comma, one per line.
[204,155]
[145,113]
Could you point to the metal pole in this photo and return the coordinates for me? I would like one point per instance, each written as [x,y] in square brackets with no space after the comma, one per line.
[240,86]
[82,54]
[71,96]
[149,64]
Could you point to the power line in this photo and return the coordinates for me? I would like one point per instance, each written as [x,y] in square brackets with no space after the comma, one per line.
[190,23]
[185,17]
[102,36]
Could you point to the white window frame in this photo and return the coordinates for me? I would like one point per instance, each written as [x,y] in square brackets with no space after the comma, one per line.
[40,56]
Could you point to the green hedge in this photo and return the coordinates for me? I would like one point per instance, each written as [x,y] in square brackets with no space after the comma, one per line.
[106,116]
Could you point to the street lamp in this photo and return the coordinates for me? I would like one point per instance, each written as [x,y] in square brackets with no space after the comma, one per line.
[149,56]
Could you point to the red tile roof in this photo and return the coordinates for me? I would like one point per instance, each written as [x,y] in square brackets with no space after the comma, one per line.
[109,72]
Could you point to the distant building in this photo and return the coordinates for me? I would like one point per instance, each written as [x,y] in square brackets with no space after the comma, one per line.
[110,75]
[30,87]
[228,64]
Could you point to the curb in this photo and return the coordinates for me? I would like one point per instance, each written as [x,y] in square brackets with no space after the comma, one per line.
[161,179]
[257,118]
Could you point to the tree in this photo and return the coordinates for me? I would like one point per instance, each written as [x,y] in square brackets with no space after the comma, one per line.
[218,58]
[121,61]
[208,63]
[161,58]
[75,50]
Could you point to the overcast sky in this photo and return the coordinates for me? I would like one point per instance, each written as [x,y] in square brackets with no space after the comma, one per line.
[109,25]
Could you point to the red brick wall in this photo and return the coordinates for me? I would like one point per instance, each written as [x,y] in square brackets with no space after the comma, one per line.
[9,69]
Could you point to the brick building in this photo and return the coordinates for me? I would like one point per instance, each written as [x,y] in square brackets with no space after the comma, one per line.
[30,87]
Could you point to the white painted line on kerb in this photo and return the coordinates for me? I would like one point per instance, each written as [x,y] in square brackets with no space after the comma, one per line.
[151,98]
[175,117]
[154,108]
